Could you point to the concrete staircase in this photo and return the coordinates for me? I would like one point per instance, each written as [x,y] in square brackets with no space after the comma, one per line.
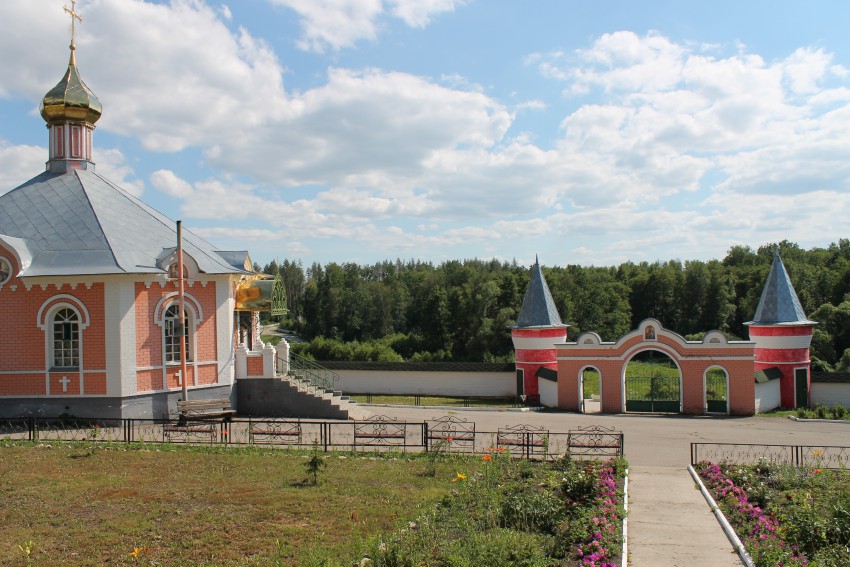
[289,396]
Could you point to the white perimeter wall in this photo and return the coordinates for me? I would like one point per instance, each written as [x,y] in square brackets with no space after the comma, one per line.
[548,393]
[767,396]
[429,383]
[829,394]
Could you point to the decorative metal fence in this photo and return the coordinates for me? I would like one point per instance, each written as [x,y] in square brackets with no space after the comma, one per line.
[448,434]
[801,456]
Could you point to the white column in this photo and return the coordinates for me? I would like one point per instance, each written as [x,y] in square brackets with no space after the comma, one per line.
[268,360]
[283,356]
[241,356]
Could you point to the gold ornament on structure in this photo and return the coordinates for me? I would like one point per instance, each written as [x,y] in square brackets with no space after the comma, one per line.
[71,100]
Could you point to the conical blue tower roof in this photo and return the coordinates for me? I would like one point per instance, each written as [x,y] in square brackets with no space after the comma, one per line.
[538,307]
[779,304]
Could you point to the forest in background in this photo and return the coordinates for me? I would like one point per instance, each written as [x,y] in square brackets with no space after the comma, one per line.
[462,310]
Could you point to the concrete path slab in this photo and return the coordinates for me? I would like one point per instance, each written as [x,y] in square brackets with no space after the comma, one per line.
[670,524]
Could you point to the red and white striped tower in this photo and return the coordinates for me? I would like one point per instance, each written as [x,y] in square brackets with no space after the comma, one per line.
[783,334]
[537,329]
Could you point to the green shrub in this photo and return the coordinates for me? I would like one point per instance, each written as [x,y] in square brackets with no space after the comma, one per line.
[822,411]
[529,508]
[838,411]
[497,547]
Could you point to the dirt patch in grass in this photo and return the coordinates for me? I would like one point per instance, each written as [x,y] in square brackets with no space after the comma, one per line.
[94,506]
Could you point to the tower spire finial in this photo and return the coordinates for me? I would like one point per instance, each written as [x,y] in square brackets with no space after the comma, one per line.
[74,18]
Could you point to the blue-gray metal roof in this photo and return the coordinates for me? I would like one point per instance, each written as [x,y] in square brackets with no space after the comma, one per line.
[538,308]
[80,223]
[779,304]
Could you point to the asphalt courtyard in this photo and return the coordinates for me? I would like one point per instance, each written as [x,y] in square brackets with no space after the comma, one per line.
[670,524]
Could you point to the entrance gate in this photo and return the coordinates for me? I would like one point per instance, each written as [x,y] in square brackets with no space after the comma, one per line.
[652,384]
[658,394]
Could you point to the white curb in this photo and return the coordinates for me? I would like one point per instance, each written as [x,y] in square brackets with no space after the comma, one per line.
[624,561]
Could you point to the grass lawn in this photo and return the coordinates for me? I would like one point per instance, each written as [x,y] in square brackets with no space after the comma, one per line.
[191,506]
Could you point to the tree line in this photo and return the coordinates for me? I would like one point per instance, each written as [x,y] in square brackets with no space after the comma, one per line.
[462,310]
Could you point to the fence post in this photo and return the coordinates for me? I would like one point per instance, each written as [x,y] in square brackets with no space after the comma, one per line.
[425,435]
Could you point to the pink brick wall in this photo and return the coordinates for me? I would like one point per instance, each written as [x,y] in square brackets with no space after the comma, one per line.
[23,344]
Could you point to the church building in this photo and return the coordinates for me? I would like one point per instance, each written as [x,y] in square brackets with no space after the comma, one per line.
[90,289]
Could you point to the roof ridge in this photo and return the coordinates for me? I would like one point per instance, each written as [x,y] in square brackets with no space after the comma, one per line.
[97,219]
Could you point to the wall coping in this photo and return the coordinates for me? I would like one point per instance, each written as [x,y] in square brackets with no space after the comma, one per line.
[417,366]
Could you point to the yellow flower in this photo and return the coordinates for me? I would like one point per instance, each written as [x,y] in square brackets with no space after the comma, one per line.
[459,477]
[138,551]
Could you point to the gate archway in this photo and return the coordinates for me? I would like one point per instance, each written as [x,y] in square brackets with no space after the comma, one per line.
[652,382]
[716,388]
[590,390]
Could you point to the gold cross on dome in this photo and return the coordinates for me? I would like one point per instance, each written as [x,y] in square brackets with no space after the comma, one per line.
[74,16]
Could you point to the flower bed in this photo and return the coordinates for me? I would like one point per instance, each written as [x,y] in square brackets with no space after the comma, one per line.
[783,515]
[516,513]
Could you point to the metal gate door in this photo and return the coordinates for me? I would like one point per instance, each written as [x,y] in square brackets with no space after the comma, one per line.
[801,388]
[715,392]
[658,394]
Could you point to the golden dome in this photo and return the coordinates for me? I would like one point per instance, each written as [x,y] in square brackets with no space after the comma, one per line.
[71,100]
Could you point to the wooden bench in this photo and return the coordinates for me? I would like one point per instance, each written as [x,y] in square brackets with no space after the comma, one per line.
[380,431]
[532,440]
[199,420]
[595,440]
[214,409]
[275,432]
[450,432]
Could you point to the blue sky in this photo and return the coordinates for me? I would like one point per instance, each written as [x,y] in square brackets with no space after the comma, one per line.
[360,130]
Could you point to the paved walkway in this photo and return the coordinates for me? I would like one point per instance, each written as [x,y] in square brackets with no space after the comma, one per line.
[670,524]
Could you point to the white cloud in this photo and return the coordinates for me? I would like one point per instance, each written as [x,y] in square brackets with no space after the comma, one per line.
[418,13]
[112,164]
[339,24]
[19,163]
[335,23]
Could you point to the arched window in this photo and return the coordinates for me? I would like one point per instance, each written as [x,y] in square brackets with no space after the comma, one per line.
[66,339]
[174,333]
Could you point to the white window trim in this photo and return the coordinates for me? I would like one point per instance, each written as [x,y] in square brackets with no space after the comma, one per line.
[195,315]
[45,322]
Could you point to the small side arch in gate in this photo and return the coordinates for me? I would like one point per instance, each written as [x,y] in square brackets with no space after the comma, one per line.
[590,390]
[716,389]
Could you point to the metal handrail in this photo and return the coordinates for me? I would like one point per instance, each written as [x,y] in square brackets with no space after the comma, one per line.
[311,373]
